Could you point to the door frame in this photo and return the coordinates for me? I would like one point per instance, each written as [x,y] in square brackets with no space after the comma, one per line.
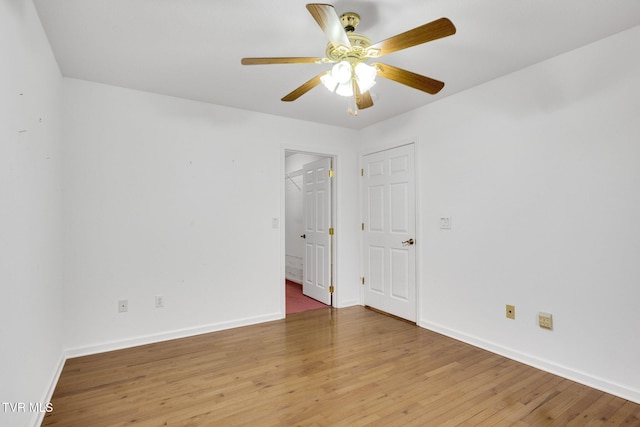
[336,158]
[416,188]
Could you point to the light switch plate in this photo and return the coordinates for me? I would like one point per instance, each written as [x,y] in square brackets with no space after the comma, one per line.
[445,223]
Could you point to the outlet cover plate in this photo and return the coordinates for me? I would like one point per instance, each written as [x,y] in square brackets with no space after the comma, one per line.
[545,320]
[511,311]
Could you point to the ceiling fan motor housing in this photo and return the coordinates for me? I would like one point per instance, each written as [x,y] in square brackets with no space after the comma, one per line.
[358,50]
[350,21]
[359,42]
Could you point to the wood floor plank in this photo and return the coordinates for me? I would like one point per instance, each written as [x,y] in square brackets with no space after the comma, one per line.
[346,367]
[622,413]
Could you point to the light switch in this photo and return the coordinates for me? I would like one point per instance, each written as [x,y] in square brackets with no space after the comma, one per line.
[445,223]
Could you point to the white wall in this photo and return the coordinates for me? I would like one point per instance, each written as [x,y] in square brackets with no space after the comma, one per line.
[165,196]
[539,171]
[30,209]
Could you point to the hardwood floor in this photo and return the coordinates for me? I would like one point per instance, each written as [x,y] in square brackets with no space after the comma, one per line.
[346,367]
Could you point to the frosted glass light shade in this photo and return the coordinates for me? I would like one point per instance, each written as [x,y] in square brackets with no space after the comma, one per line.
[345,89]
[341,72]
[329,82]
[365,75]
[339,79]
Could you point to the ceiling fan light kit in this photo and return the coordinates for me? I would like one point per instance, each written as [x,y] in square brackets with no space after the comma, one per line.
[341,77]
[351,75]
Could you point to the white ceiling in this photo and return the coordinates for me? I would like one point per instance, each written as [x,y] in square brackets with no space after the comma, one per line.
[192,48]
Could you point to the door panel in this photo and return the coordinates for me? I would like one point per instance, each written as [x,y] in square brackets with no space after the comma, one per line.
[308,264]
[376,201]
[389,220]
[316,186]
[399,201]
[399,269]
[376,269]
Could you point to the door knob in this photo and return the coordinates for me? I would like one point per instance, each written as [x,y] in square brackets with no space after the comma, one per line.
[304,236]
[408,242]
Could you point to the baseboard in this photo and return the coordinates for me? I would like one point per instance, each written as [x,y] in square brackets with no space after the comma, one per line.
[571,374]
[53,381]
[166,336]
[348,303]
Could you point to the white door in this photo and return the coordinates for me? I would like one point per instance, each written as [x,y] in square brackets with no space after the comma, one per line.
[316,187]
[389,231]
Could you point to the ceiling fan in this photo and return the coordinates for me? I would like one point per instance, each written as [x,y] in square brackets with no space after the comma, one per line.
[351,75]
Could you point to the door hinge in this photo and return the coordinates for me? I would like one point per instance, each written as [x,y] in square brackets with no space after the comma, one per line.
[331,231]
[331,173]
[362,280]
[331,289]
[362,226]
[361,172]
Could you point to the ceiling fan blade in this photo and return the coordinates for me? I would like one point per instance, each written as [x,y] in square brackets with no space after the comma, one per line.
[304,88]
[290,60]
[327,18]
[434,30]
[363,100]
[416,81]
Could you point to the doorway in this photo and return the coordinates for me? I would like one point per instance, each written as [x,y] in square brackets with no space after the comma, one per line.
[309,206]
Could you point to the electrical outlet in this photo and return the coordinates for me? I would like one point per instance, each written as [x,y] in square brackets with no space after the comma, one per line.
[511,311]
[123,305]
[159,301]
[545,320]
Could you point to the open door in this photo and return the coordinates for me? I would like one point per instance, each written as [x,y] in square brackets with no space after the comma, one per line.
[318,231]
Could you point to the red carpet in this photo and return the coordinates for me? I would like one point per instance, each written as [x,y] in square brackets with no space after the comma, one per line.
[297,302]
